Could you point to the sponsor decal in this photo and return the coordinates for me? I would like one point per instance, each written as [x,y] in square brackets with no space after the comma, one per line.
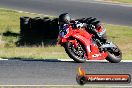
[83,78]
[96,55]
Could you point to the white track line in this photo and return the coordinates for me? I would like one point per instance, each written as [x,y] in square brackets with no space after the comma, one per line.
[104,2]
[94,60]
[112,3]
[3,59]
[20,11]
[87,85]
[72,60]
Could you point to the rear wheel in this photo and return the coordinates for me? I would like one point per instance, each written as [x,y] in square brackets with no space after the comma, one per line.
[78,53]
[114,55]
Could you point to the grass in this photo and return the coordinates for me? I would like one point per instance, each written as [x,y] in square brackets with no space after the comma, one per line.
[122,1]
[122,36]
[9,23]
[52,52]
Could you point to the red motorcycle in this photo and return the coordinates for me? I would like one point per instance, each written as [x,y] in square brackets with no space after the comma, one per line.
[81,46]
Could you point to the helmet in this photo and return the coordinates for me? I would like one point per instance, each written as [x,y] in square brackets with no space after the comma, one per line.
[64,18]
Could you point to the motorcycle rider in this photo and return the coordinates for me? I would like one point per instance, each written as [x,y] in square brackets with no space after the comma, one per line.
[65,21]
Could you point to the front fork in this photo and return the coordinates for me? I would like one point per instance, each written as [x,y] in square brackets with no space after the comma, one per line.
[74,42]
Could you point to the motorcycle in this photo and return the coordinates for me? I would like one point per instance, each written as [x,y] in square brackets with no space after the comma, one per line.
[81,45]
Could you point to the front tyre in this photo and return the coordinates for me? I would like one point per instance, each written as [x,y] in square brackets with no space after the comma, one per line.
[114,55]
[78,54]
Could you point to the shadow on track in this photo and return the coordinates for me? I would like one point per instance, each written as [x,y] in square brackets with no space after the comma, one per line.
[32,59]
[49,60]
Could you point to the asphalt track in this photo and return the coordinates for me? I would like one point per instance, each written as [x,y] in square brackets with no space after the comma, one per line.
[114,14]
[55,72]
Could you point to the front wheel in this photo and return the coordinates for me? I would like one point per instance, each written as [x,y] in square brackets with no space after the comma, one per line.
[78,54]
[114,55]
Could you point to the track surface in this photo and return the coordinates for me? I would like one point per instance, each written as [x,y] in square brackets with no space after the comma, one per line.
[16,72]
[115,14]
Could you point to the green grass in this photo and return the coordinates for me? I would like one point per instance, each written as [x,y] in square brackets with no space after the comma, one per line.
[122,1]
[9,22]
[33,53]
[122,36]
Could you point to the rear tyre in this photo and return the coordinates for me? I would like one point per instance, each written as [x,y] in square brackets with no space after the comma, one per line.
[114,55]
[77,54]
